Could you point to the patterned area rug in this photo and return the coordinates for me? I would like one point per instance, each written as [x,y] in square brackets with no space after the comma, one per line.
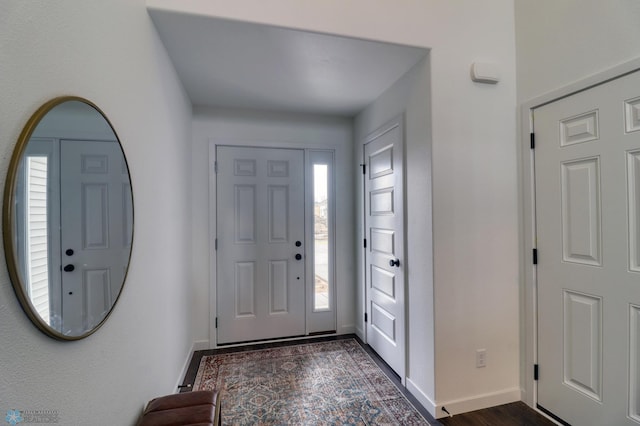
[333,382]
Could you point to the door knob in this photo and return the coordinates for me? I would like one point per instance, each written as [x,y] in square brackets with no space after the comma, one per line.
[394,262]
[298,256]
[298,243]
[69,268]
[69,252]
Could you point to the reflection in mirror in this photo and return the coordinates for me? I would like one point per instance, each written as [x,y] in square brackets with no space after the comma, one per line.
[68,218]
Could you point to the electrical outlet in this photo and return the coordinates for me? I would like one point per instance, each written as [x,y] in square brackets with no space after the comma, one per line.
[481,358]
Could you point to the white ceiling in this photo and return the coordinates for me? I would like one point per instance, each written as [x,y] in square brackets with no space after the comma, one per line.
[243,65]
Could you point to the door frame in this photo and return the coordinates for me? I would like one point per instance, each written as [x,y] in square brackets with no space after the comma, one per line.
[306,147]
[527,228]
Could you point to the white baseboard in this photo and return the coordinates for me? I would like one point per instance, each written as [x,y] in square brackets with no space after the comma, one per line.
[422,397]
[360,333]
[185,367]
[198,345]
[346,329]
[478,402]
[527,398]
[201,345]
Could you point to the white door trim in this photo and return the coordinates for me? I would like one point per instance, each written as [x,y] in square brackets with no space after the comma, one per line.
[527,231]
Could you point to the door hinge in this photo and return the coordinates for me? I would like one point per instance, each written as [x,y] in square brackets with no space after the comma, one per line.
[364,169]
[215,167]
[532,137]
[535,371]
[216,322]
[216,244]
[366,317]
[365,243]
[535,256]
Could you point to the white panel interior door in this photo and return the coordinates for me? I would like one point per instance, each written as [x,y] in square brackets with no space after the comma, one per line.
[260,217]
[384,259]
[96,219]
[587,167]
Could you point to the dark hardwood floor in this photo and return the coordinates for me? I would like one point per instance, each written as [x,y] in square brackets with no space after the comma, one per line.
[515,414]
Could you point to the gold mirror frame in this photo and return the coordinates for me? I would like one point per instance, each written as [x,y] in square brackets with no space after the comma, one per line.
[8,219]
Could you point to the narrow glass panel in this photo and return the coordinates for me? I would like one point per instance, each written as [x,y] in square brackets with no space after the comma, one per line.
[37,236]
[321,228]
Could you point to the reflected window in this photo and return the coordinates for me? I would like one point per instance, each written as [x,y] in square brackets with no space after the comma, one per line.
[37,230]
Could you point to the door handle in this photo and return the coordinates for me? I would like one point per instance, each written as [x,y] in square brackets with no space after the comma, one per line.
[394,262]
[298,256]
[69,268]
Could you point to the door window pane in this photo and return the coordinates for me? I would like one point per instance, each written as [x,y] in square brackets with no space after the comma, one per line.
[321,228]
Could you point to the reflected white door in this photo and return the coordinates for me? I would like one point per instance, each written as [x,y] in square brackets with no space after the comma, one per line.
[260,265]
[587,167]
[384,259]
[96,217]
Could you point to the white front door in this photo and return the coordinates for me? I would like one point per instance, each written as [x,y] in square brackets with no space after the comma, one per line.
[96,216]
[587,168]
[384,258]
[260,243]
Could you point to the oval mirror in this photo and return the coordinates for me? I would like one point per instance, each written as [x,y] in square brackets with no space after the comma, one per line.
[68,218]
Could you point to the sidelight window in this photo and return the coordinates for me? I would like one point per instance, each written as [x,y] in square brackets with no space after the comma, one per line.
[321,223]
[322,230]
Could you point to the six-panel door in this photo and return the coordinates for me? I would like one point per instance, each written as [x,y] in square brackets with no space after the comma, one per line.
[587,167]
[260,269]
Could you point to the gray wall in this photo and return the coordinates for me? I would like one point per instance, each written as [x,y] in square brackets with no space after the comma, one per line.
[109,53]
[560,42]
[410,97]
